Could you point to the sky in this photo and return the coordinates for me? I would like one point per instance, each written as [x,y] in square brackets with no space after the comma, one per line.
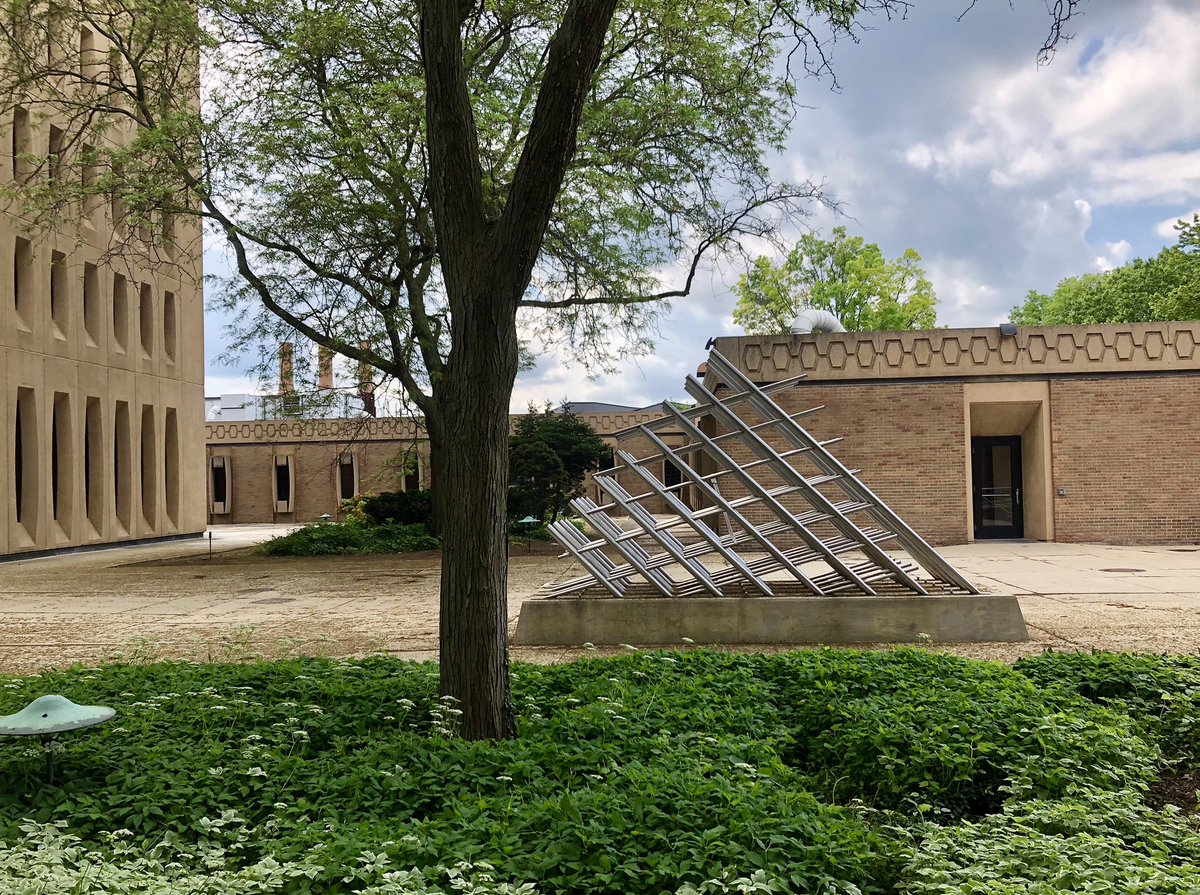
[947,137]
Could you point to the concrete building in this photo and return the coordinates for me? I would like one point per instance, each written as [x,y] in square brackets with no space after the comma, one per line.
[1086,434]
[102,370]
[297,470]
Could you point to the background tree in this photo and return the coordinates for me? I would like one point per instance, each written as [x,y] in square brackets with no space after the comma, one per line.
[550,454]
[844,275]
[1165,287]
[397,181]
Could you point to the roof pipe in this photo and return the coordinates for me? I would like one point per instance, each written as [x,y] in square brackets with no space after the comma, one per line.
[814,320]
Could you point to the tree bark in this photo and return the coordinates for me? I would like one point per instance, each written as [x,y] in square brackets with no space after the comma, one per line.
[469,446]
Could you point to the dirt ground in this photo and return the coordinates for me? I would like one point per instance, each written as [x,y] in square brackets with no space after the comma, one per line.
[172,601]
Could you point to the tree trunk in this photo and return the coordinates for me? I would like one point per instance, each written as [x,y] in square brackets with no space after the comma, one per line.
[469,452]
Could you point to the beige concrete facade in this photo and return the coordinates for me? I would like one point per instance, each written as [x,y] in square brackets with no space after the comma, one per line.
[1108,419]
[319,463]
[102,370]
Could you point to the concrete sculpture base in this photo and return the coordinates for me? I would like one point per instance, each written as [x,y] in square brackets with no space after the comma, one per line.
[663,621]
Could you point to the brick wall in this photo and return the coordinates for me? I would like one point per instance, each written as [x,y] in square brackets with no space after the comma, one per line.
[1127,451]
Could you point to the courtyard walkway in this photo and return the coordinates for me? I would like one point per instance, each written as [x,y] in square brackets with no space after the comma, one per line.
[170,600]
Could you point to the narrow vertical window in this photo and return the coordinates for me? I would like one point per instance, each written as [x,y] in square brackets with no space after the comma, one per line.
[347,476]
[20,144]
[26,479]
[93,464]
[168,232]
[671,474]
[116,209]
[87,54]
[23,279]
[220,469]
[120,311]
[60,304]
[62,463]
[54,155]
[89,173]
[283,483]
[122,465]
[148,471]
[412,474]
[171,465]
[146,320]
[170,315]
[91,303]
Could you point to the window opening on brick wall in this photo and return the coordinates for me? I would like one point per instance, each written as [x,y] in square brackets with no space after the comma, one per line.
[347,476]
[120,311]
[149,467]
[283,483]
[412,474]
[171,465]
[60,302]
[220,477]
[123,464]
[671,474]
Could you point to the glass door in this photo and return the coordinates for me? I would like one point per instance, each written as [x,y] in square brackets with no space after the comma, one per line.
[996,480]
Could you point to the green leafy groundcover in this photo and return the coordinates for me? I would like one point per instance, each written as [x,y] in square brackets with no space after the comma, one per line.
[811,772]
[350,538]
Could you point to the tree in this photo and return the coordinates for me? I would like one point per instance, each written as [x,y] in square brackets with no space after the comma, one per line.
[550,453]
[846,276]
[398,181]
[1165,287]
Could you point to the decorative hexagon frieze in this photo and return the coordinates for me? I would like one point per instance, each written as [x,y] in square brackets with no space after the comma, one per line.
[754,358]
[980,350]
[1037,349]
[780,356]
[951,351]
[1184,344]
[893,352]
[1154,345]
[835,353]
[809,356]
[1065,347]
[1124,345]
[865,354]
[922,352]
[1008,351]
[1095,347]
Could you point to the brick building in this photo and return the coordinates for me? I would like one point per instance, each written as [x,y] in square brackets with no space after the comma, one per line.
[1077,434]
[297,470]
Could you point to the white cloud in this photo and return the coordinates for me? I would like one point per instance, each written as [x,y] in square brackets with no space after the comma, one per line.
[1166,228]
[1115,254]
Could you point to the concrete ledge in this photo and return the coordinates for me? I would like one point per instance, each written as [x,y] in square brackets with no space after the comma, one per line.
[949,619]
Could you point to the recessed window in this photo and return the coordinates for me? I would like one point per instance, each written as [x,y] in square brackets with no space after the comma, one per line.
[25,483]
[62,457]
[171,465]
[671,474]
[93,464]
[20,144]
[146,320]
[88,57]
[283,483]
[123,465]
[170,316]
[60,302]
[168,232]
[120,311]
[92,305]
[54,157]
[89,174]
[23,286]
[149,468]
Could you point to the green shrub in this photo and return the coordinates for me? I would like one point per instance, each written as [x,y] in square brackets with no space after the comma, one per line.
[1091,841]
[906,728]
[350,538]
[1159,694]
[401,507]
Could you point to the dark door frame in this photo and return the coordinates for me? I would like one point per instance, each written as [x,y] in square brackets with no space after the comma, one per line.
[979,443]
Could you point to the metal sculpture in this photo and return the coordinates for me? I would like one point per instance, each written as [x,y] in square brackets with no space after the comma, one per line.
[844,536]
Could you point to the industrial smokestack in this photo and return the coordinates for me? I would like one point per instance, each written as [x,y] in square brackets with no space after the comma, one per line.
[324,367]
[287,381]
[366,384]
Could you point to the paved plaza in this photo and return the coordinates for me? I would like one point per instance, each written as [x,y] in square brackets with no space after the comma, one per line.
[171,601]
